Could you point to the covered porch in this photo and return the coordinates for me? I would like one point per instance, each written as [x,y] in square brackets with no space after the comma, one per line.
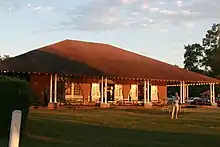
[112,91]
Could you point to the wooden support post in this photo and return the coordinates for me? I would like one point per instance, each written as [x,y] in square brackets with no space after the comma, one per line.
[102,91]
[148,91]
[211,98]
[147,103]
[51,88]
[187,92]
[55,88]
[104,103]
[106,84]
[181,92]
[212,95]
[213,92]
[145,92]
[184,92]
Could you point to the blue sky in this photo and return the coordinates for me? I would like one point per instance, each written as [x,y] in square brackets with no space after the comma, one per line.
[155,28]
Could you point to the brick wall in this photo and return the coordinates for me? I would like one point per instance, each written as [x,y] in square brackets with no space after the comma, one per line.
[162,94]
[39,83]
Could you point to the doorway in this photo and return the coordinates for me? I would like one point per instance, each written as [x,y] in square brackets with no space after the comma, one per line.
[110,92]
[140,92]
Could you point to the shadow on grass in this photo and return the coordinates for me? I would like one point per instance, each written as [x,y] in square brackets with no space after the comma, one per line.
[45,133]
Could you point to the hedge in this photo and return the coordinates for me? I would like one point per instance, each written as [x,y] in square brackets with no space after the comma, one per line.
[15,94]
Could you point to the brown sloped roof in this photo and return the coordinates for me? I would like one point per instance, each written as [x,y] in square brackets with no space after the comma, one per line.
[96,59]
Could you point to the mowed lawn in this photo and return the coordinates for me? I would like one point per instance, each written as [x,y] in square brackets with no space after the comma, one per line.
[122,128]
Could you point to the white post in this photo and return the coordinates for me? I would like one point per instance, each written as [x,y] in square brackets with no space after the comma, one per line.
[213,93]
[211,100]
[102,91]
[15,128]
[106,90]
[148,91]
[145,92]
[186,97]
[184,92]
[181,92]
[55,88]
[51,87]
[187,92]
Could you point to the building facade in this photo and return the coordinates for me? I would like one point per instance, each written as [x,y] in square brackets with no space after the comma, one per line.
[89,72]
[87,90]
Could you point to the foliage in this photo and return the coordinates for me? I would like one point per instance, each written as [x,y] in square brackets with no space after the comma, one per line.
[211,44]
[195,91]
[205,58]
[193,56]
[35,100]
[15,95]
[4,57]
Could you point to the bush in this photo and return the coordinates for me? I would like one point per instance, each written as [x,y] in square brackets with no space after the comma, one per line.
[15,94]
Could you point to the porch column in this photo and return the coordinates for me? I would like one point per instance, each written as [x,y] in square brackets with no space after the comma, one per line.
[187,92]
[148,91]
[181,92]
[51,88]
[102,91]
[106,84]
[213,92]
[145,92]
[184,92]
[55,88]
[211,98]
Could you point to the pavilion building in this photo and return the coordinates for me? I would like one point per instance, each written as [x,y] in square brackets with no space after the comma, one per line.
[89,72]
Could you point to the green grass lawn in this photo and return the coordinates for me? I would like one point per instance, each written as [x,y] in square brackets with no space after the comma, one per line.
[121,128]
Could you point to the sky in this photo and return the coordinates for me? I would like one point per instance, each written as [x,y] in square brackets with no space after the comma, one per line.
[155,28]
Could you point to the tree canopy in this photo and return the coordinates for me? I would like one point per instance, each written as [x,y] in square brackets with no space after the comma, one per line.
[4,57]
[193,56]
[205,58]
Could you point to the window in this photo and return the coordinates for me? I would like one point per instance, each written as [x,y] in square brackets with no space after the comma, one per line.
[77,89]
[68,88]
[95,89]
[133,92]
[118,90]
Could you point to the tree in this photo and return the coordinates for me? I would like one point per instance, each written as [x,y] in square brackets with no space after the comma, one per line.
[193,56]
[211,44]
[4,57]
[205,58]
